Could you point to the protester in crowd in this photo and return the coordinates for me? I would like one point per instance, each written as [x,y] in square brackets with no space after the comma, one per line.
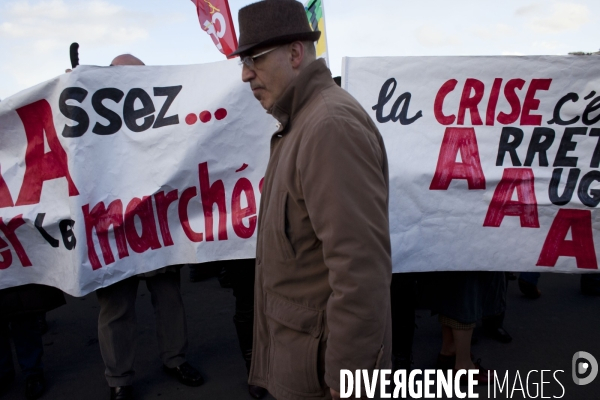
[239,276]
[494,306]
[461,298]
[117,322]
[21,308]
[323,268]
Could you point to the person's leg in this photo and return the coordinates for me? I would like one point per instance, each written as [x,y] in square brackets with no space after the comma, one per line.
[462,343]
[28,344]
[403,294]
[171,324]
[240,274]
[29,347]
[448,346]
[7,368]
[117,331]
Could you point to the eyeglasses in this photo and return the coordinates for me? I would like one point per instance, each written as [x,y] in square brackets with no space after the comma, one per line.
[248,61]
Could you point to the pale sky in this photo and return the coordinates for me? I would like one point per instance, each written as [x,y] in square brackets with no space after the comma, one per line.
[35,34]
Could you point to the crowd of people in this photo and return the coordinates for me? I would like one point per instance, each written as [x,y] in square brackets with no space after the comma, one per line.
[320,295]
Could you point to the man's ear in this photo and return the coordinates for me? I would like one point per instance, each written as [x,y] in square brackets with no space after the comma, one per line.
[297,54]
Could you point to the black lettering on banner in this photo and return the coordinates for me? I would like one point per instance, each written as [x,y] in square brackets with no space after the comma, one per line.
[171,92]
[74,113]
[68,235]
[593,198]
[510,147]
[595,163]
[385,95]
[590,108]
[131,115]
[557,119]
[113,118]
[567,145]
[537,145]
[39,220]
[565,198]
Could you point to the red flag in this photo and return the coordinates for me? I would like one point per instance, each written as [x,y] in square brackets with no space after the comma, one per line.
[215,19]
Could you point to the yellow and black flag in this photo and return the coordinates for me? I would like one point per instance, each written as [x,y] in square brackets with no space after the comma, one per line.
[316,16]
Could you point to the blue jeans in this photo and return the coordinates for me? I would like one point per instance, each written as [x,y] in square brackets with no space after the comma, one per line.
[27,338]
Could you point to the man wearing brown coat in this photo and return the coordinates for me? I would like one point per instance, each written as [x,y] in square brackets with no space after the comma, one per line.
[323,267]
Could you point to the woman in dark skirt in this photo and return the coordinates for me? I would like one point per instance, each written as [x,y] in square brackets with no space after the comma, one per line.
[21,309]
[461,299]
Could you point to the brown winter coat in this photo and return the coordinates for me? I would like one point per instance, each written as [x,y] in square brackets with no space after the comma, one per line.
[323,253]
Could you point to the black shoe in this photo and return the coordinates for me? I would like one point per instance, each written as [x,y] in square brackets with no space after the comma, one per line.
[498,334]
[121,393]
[35,385]
[530,290]
[186,374]
[257,392]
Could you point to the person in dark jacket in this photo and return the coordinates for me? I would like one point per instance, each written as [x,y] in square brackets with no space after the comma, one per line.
[21,308]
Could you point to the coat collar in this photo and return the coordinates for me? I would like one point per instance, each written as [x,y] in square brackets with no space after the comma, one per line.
[310,82]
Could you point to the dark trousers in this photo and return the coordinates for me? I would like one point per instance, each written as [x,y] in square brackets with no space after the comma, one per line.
[28,345]
[403,295]
[240,274]
[117,331]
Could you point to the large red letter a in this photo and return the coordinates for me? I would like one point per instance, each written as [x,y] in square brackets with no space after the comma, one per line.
[40,166]
[582,245]
[455,140]
[521,180]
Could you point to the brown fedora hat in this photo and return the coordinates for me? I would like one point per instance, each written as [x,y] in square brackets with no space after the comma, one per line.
[273,22]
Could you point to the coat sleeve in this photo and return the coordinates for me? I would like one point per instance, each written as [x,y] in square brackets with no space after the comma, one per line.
[345,186]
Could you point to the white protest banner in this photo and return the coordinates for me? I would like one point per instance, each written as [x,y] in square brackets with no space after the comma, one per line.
[108,172]
[494,161]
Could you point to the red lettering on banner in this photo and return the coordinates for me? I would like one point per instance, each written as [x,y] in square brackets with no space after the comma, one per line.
[162,208]
[513,101]
[40,166]
[5,254]
[186,196]
[238,214]
[465,141]
[521,180]
[531,103]
[468,102]
[493,102]
[101,219]
[439,103]
[142,208]
[581,246]
[5,197]
[211,194]
[9,231]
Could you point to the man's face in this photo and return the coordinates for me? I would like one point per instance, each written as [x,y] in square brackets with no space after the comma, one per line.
[271,75]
